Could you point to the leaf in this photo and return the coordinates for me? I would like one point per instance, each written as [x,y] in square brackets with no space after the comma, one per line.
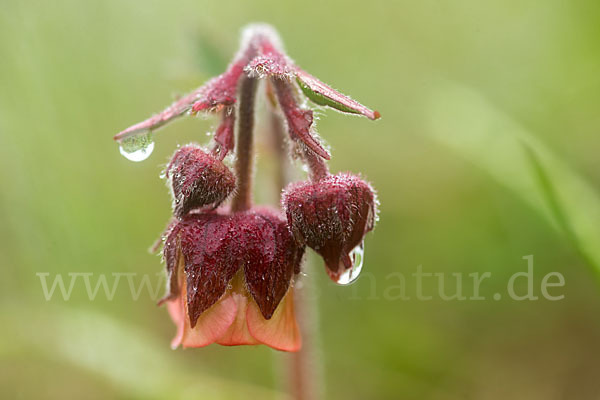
[323,95]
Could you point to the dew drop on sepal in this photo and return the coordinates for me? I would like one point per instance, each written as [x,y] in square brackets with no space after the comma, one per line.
[350,275]
[137,148]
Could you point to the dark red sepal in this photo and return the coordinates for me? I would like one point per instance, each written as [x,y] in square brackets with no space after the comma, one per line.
[299,120]
[272,257]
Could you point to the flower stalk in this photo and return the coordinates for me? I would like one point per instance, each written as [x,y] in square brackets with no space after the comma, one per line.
[244,151]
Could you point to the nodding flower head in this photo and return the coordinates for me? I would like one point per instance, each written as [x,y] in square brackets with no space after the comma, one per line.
[229,279]
[331,216]
[197,179]
[232,265]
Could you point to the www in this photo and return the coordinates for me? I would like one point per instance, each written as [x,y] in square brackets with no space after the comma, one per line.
[102,282]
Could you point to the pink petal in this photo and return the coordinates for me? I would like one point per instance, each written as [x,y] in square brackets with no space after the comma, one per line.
[281,331]
[175,308]
[238,333]
[212,324]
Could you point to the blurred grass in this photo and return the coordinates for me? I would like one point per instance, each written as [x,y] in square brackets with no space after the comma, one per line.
[130,359]
[466,123]
[465,88]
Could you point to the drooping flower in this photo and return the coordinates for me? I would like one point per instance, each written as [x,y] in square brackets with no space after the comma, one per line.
[332,216]
[231,266]
[229,279]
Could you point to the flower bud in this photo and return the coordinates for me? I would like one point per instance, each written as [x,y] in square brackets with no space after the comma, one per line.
[331,216]
[197,179]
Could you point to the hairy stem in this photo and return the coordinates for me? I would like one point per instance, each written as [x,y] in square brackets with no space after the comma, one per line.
[317,167]
[244,148]
[304,371]
[280,146]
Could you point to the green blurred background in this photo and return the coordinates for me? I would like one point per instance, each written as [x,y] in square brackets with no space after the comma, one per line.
[487,152]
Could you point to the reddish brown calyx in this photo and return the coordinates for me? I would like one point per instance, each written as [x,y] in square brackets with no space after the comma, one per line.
[197,179]
[331,216]
[211,247]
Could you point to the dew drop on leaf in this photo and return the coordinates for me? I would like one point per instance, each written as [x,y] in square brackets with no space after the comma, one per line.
[350,275]
[137,148]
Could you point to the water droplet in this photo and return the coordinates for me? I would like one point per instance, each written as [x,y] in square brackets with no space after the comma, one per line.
[350,275]
[137,148]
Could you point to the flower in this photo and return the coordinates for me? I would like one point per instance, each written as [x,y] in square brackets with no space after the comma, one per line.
[331,216]
[197,179]
[229,279]
[231,266]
